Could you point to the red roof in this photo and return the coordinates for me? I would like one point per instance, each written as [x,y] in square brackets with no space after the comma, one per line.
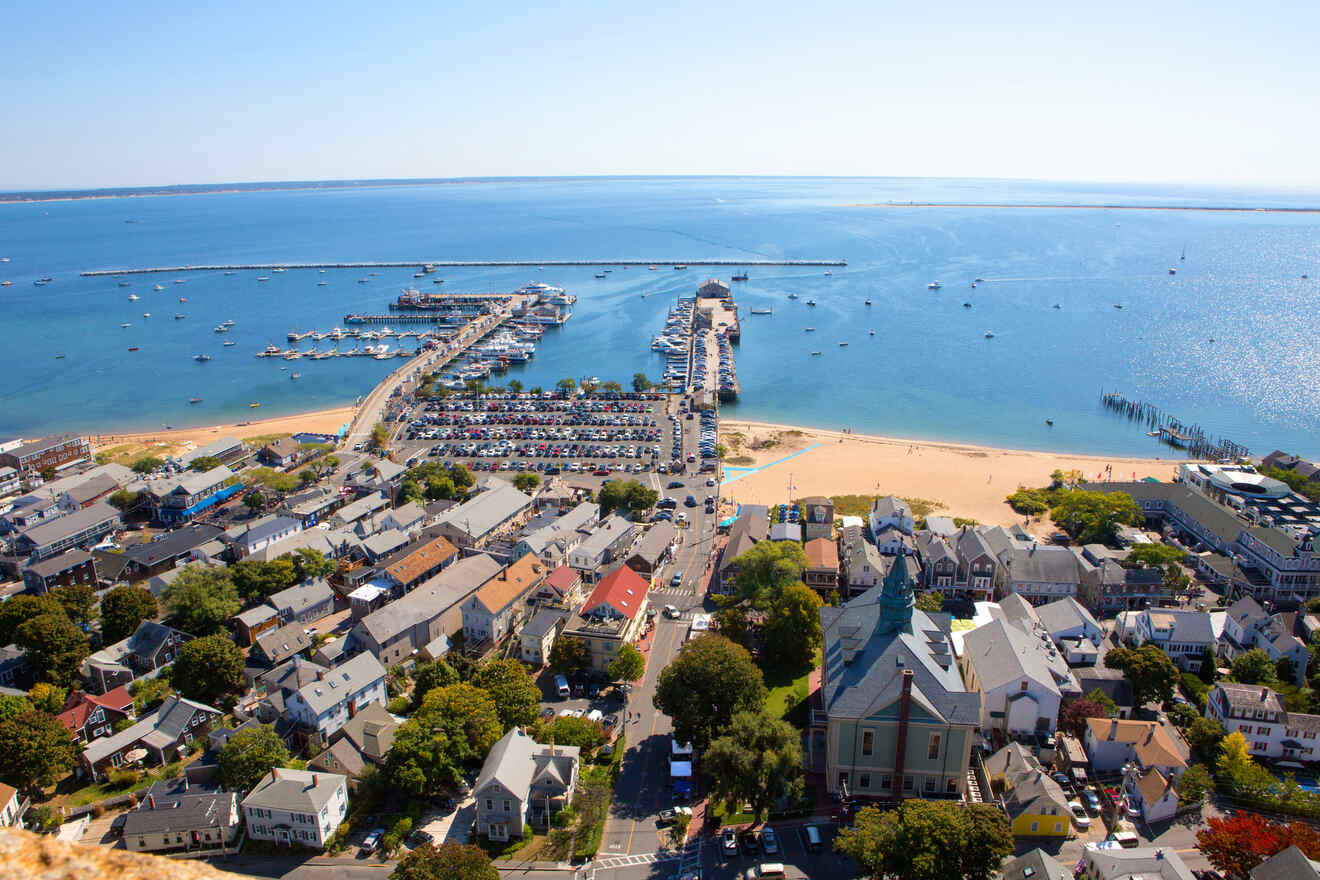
[562,579]
[623,589]
[81,703]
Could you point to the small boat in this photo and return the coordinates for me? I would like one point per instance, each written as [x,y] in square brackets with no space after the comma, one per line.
[1117,306]
[322,271]
[978,280]
[278,269]
[989,335]
[228,322]
[296,376]
[1057,306]
[6,283]
[201,358]
[967,305]
[815,354]
[59,357]
[843,345]
[651,268]
[934,285]
[868,301]
[808,329]
[194,400]
[811,302]
[792,296]
[228,343]
[132,348]
[872,331]
[159,287]
[755,311]
[263,277]
[125,325]
[739,276]
[363,280]
[180,280]
[1305,277]
[124,284]
[600,274]
[680,267]
[4,259]
[828,272]
[1050,422]
[1183,255]
[254,405]
[146,314]
[229,273]
[178,316]
[321,283]
[1173,271]
[183,299]
[973,284]
[133,297]
[220,328]
[438,281]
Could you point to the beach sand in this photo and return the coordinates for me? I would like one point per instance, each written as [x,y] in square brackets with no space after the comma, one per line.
[325,421]
[969,481]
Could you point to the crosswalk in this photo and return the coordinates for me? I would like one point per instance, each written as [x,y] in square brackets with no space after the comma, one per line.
[677,592]
[635,859]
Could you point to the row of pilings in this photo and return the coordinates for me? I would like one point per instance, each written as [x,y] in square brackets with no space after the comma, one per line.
[1167,428]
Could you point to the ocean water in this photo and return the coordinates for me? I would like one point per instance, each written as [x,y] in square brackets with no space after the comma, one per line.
[1228,343]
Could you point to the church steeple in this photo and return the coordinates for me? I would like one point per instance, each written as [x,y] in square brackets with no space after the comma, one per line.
[896,598]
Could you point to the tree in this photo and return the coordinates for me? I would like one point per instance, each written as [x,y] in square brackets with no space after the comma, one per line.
[468,711]
[1237,768]
[569,655]
[201,599]
[1194,784]
[311,563]
[1254,667]
[55,646]
[766,570]
[640,383]
[1149,670]
[451,861]
[77,600]
[930,601]
[122,499]
[1238,843]
[1028,502]
[380,435]
[147,464]
[208,668]
[249,755]
[1102,699]
[526,482]
[454,725]
[928,840]
[987,840]
[628,664]
[566,385]
[1154,556]
[35,750]
[306,476]
[517,698]
[611,386]
[46,697]
[22,608]
[792,626]
[1073,715]
[515,387]
[1209,665]
[256,581]
[47,473]
[570,731]
[732,623]
[709,681]
[122,609]
[254,500]
[1094,517]
[625,494]
[757,760]
[204,463]
[12,705]
[1285,671]
[429,676]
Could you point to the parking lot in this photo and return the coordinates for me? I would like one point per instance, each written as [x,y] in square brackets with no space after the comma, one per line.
[792,849]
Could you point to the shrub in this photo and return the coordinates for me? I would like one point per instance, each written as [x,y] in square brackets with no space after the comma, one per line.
[98,810]
[123,778]
[399,706]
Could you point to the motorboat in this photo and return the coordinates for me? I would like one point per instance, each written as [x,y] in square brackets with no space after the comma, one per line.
[815,354]
[811,302]
[125,325]
[934,285]
[180,280]
[872,331]
[228,342]
[967,305]
[146,314]
[843,345]
[159,287]
[178,316]
[194,400]
[1173,271]
[133,297]
[263,277]
[762,312]
[792,296]
[295,375]
[808,329]
[989,335]
[221,328]
[868,301]
[132,348]
[201,358]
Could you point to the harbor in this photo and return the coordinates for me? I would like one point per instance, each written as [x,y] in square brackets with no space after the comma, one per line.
[424,265]
[697,343]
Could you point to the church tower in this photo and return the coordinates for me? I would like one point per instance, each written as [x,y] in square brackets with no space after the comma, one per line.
[896,598]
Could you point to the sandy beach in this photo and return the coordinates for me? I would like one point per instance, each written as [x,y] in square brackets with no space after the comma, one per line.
[969,481]
[325,421]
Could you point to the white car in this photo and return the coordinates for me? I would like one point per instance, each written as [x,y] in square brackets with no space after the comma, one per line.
[1080,818]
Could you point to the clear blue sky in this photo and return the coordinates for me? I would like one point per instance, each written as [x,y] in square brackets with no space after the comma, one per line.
[111,94]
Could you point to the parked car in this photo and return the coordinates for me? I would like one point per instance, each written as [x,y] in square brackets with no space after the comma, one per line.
[729,841]
[674,484]
[751,842]
[689,501]
[1080,819]
[769,842]
[1092,802]
[677,579]
[372,840]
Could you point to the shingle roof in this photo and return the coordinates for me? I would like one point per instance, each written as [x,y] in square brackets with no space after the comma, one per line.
[1001,653]
[280,644]
[302,596]
[1249,696]
[1151,742]
[750,528]
[509,583]
[545,620]
[54,530]
[654,543]
[446,589]
[822,553]
[338,683]
[371,730]
[1032,791]
[483,513]
[1034,865]
[55,564]
[1186,625]
[1289,864]
[180,812]
[292,790]
[891,505]
[563,579]
[341,757]
[426,556]
[171,544]
[1045,564]
[1065,614]
[623,589]
[160,728]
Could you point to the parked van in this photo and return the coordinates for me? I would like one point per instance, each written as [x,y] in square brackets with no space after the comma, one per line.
[1125,839]
[562,688]
[812,834]
[765,869]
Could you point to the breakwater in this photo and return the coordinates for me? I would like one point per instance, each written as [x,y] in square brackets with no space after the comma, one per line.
[1168,429]
[450,264]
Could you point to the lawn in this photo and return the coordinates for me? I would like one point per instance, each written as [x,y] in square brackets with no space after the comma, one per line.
[98,791]
[787,686]
[506,850]
[726,818]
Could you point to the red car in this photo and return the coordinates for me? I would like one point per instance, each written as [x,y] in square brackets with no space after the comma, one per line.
[601,472]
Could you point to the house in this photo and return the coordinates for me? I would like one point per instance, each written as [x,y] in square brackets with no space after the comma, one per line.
[378,475]
[563,587]
[275,646]
[296,807]
[70,567]
[1020,678]
[1073,629]
[15,670]
[142,655]
[253,622]
[861,567]
[163,736]
[1258,713]
[891,511]
[894,718]
[477,521]
[609,539]
[891,540]
[397,630]
[493,611]
[409,518]
[55,452]
[283,452]
[938,562]
[1290,864]
[818,517]
[613,615]
[10,482]
[1183,634]
[1110,743]
[371,732]
[978,569]
[751,527]
[552,536]
[303,603]
[261,533]
[539,634]
[341,757]
[419,563]
[1152,793]
[324,705]
[1108,585]
[1247,626]
[655,548]
[177,816]
[272,688]
[227,449]
[822,571]
[79,529]
[786,531]
[86,493]
[181,498]
[1034,865]
[1039,573]
[12,807]
[1036,805]
[167,550]
[91,716]
[381,545]
[313,506]
[354,511]
[523,783]
[1144,862]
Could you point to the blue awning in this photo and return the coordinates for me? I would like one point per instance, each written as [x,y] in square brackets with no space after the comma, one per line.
[171,513]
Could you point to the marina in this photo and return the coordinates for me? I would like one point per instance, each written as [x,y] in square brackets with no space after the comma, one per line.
[697,343]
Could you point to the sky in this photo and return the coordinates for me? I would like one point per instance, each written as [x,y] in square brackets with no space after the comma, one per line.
[149,93]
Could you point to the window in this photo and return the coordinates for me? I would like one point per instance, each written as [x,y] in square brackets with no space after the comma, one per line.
[864,780]
[1058,827]
[951,786]
[1024,685]
[507,808]
[843,780]
[490,804]
[933,751]
[868,743]
[886,782]
[1035,826]
[907,783]
[929,784]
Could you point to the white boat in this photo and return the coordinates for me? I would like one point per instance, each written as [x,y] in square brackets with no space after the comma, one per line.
[295,376]
[843,345]
[201,358]
[989,335]
[221,328]
[179,280]
[934,285]
[133,297]
[125,324]
[828,272]
[229,342]
[811,302]
[263,277]
[792,296]
[178,316]
[277,269]
[146,314]
[125,284]
[159,287]
[762,312]
[321,283]
[872,331]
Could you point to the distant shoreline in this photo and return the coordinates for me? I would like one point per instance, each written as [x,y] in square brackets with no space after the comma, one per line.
[23,198]
[1081,207]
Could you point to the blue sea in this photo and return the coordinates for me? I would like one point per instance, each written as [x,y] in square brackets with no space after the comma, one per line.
[1228,343]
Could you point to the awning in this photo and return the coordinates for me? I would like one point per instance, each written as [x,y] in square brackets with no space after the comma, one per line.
[680,770]
[170,513]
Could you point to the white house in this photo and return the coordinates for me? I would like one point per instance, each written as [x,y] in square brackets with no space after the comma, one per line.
[607,541]
[296,806]
[891,511]
[523,782]
[324,705]
[1039,573]
[1258,713]
[1182,634]
[1020,678]
[496,608]
[1111,743]
[1153,793]
[1247,626]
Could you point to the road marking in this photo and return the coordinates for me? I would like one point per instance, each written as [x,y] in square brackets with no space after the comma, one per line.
[771,464]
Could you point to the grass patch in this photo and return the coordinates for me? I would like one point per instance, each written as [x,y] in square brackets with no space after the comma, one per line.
[740,460]
[99,791]
[263,439]
[498,849]
[720,812]
[850,505]
[788,687]
[924,506]
[127,453]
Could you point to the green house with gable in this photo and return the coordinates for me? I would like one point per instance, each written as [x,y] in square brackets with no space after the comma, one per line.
[895,719]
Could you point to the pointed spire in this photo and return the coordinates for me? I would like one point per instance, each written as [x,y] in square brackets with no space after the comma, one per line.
[896,597]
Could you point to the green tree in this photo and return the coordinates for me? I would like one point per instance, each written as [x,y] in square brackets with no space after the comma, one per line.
[455,725]
[625,495]
[1028,502]
[429,676]
[311,563]
[766,570]
[710,681]
[1209,665]
[570,731]
[201,599]
[526,482]
[122,499]
[22,608]
[208,668]
[380,435]
[733,624]
[1237,768]
[1194,785]
[46,697]
[35,750]
[792,626]
[628,664]
[987,840]
[517,698]
[930,602]
[640,383]
[306,476]
[1203,735]
[612,387]
[1102,699]
[928,840]
[204,463]
[256,581]
[122,609]
[12,705]
[757,760]
[55,646]
[249,755]
[1254,667]
[147,464]
[514,386]
[254,500]
[451,861]
[1095,517]
[1148,669]
[566,385]
[77,600]
[569,655]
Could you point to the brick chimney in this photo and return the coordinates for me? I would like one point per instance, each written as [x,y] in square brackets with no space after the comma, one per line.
[274,774]
[151,799]
[315,780]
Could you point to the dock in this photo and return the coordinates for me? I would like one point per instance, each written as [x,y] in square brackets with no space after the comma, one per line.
[454,264]
[1167,429]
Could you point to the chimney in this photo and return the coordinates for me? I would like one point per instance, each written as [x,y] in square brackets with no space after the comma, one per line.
[274,774]
[1113,729]
[320,675]
[1264,694]
[151,799]
[314,780]
[552,746]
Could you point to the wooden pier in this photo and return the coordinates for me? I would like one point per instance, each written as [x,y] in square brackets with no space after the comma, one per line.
[454,264]
[397,318]
[1168,429]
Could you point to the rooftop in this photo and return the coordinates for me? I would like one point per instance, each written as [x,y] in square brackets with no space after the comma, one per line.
[298,791]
